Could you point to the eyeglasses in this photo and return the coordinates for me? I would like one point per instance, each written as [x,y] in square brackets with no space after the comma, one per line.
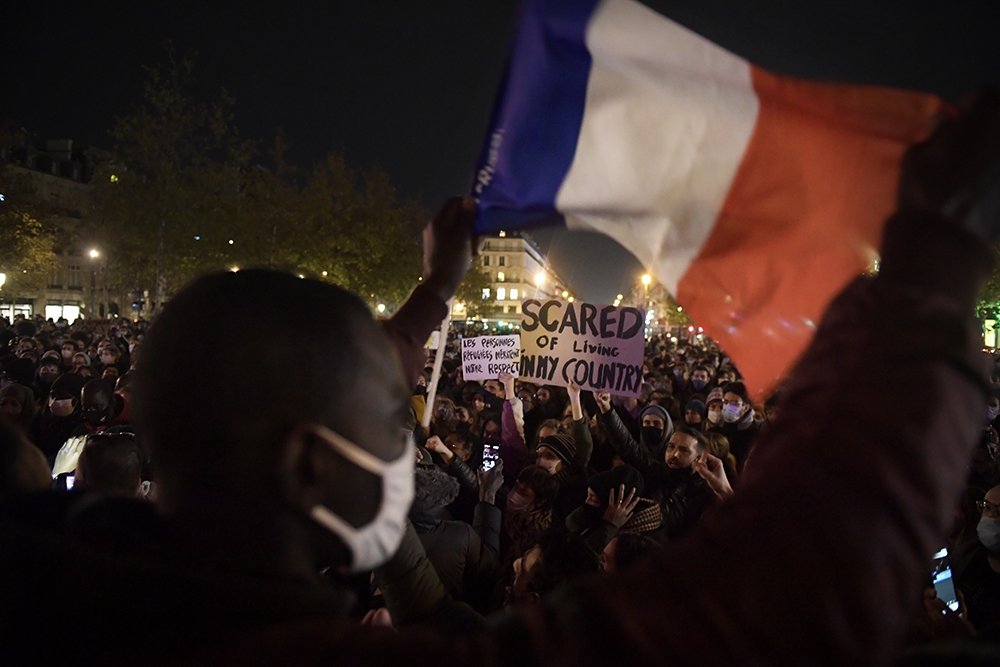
[987,506]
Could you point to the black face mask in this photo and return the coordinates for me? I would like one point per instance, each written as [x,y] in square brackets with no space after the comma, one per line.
[651,435]
[47,378]
[95,417]
[592,516]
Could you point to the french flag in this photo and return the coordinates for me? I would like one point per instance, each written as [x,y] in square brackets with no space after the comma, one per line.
[753,198]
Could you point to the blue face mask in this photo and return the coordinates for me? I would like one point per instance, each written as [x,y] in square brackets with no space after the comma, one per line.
[698,384]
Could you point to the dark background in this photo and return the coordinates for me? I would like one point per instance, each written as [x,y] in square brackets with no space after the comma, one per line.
[407,86]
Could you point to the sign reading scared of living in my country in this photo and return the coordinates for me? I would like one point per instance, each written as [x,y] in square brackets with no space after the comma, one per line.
[595,347]
[485,357]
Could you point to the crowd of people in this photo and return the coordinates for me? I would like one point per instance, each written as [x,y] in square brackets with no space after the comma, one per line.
[248,479]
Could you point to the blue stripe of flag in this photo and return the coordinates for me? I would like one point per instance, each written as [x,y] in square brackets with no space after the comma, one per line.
[536,117]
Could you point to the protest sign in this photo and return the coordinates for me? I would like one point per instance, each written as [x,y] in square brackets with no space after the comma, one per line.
[595,347]
[485,357]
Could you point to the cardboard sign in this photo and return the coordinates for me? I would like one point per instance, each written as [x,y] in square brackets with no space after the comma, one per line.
[485,357]
[599,348]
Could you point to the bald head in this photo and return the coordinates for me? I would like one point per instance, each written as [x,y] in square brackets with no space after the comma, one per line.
[284,352]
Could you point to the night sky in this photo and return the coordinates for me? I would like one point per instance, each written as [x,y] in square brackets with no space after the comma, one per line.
[407,86]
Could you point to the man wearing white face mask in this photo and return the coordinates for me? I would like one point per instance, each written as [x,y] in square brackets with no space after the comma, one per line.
[979,581]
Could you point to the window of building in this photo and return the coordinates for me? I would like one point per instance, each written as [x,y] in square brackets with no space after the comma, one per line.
[55,278]
[513,293]
[501,261]
[486,292]
[74,281]
[499,276]
[486,260]
[501,293]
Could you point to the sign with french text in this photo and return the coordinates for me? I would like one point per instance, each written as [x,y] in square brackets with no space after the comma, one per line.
[599,348]
[485,357]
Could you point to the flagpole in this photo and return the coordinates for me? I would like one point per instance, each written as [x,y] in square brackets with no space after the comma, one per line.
[436,374]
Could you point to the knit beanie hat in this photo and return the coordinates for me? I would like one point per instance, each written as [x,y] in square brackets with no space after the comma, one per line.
[563,445]
[714,395]
[697,406]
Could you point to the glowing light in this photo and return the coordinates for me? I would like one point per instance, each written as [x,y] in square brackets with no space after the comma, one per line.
[565,294]
[513,293]
[540,278]
[646,279]
[114,178]
[620,297]
[235,269]
[230,242]
[503,234]
[501,294]
[679,309]
[571,299]
[94,254]
[324,274]
[301,276]
[500,276]
[3,279]
[691,329]
[2,198]
[197,238]
[380,308]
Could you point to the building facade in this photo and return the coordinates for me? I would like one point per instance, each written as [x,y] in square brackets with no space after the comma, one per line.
[60,178]
[516,269]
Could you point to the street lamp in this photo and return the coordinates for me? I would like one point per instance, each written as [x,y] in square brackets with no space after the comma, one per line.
[540,278]
[646,279]
[93,282]
[3,279]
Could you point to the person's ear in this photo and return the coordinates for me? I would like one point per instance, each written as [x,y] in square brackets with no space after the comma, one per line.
[302,469]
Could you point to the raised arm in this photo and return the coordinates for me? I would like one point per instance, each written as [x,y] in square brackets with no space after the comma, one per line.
[820,555]
[580,429]
[447,256]
[628,449]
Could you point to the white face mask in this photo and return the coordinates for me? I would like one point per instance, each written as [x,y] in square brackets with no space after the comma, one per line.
[61,408]
[988,531]
[374,543]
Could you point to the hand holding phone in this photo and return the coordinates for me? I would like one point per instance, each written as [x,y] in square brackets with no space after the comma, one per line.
[491,454]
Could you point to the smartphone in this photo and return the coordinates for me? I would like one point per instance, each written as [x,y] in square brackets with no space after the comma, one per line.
[491,454]
[944,584]
[63,481]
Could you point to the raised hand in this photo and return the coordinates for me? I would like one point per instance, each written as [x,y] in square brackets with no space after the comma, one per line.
[490,482]
[620,507]
[712,471]
[448,246]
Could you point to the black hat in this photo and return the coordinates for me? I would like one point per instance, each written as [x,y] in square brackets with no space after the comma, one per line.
[602,483]
[563,445]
